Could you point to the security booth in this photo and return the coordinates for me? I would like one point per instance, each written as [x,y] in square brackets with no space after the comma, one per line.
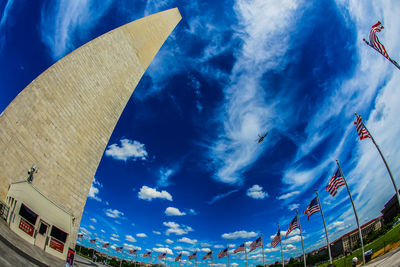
[39,220]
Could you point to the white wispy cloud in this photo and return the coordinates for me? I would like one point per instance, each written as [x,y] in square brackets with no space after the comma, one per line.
[176,228]
[130,246]
[187,240]
[221,196]
[169,241]
[95,190]
[92,227]
[239,234]
[171,211]
[64,21]
[130,238]
[263,27]
[156,232]
[165,174]
[256,192]
[129,150]
[293,206]
[93,220]
[148,193]
[289,195]
[114,213]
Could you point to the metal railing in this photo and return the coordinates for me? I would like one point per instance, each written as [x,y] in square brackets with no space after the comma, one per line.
[3,210]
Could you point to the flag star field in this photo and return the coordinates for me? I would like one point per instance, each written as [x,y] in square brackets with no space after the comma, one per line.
[183,170]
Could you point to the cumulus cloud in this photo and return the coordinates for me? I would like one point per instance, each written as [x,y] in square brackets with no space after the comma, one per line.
[206,249]
[187,240]
[239,234]
[256,192]
[141,235]
[95,190]
[114,213]
[169,241]
[175,228]
[163,250]
[148,193]
[130,238]
[171,211]
[131,247]
[129,150]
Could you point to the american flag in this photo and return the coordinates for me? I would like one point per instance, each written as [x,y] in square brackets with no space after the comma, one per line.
[106,245]
[193,256]
[133,251]
[93,241]
[147,254]
[80,236]
[240,248]
[178,258]
[312,208]
[276,239]
[293,225]
[223,253]
[336,181]
[255,244]
[119,248]
[208,255]
[362,132]
[374,39]
[162,256]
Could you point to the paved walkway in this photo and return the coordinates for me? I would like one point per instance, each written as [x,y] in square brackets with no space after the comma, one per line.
[15,251]
[390,259]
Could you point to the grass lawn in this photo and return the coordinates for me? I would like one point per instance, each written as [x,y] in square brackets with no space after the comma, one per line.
[379,246]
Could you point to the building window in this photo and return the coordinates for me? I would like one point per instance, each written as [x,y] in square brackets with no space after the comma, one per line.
[28,214]
[58,234]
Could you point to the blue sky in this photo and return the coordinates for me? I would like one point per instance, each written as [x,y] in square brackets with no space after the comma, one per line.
[182,170]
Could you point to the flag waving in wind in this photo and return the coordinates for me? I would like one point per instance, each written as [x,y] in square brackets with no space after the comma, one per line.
[312,208]
[106,245]
[178,258]
[240,248]
[336,181]
[133,251]
[376,44]
[147,254]
[361,130]
[293,225]
[162,256]
[256,243]
[208,255]
[193,256]
[276,239]
[223,253]
[119,248]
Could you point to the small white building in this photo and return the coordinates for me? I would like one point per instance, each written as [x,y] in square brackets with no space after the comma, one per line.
[39,220]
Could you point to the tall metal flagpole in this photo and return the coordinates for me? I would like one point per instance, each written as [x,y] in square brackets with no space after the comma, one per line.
[228,256]
[279,230]
[301,235]
[262,245]
[120,263]
[355,213]
[384,161]
[212,258]
[245,253]
[326,231]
